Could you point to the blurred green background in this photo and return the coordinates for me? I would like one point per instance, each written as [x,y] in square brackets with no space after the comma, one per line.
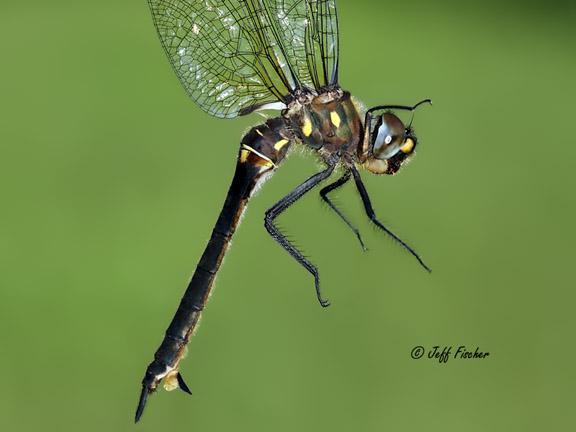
[111,180]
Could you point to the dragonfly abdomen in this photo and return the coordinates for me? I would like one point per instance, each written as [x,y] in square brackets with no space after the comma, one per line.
[261,151]
[266,145]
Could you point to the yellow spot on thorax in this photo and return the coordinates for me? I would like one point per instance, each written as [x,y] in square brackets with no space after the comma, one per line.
[335,119]
[278,146]
[307,127]
[408,146]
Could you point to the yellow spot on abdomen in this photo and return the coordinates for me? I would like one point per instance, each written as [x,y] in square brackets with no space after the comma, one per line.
[246,148]
[244,155]
[307,127]
[278,146]
[335,119]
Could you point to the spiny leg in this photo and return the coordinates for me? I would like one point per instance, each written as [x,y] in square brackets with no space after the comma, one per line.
[324,194]
[283,204]
[370,212]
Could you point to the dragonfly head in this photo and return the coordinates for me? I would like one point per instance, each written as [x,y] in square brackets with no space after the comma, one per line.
[390,142]
[391,145]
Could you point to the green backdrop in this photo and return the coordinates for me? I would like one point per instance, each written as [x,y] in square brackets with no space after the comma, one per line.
[111,180]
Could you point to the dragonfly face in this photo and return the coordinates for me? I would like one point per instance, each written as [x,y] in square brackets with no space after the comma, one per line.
[235,57]
[391,144]
[387,142]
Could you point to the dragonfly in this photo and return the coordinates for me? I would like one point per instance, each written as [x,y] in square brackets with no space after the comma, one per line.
[236,57]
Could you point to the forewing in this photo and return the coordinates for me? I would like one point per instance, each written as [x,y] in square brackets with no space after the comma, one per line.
[322,42]
[227,53]
[308,31]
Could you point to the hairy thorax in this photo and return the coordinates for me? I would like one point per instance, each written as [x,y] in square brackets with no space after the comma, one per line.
[328,122]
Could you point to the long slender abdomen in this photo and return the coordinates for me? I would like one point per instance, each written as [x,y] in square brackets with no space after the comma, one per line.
[262,149]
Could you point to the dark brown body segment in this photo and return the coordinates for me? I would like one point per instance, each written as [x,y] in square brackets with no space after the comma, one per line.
[329,123]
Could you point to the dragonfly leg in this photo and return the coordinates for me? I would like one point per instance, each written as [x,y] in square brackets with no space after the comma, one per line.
[324,195]
[283,204]
[370,212]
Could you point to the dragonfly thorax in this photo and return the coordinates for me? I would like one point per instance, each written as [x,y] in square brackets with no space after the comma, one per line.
[327,122]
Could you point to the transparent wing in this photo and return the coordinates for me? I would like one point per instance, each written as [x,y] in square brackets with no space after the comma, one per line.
[308,31]
[322,42]
[227,53]
[233,56]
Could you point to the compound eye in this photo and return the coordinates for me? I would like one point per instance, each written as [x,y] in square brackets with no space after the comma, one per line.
[389,138]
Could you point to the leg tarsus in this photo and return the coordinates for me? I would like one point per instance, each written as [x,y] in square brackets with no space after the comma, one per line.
[323,302]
